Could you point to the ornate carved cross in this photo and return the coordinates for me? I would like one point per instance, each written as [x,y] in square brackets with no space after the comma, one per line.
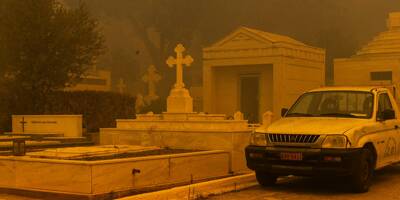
[179,61]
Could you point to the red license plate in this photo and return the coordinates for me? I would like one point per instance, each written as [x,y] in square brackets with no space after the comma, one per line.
[291,156]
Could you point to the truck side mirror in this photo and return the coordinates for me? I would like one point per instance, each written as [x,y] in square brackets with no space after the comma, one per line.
[386,115]
[284,111]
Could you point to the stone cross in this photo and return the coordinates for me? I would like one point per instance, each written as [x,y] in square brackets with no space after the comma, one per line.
[151,78]
[121,86]
[139,103]
[179,61]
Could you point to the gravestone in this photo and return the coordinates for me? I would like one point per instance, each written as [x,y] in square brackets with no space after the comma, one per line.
[151,78]
[139,103]
[66,125]
[238,115]
[121,86]
[267,118]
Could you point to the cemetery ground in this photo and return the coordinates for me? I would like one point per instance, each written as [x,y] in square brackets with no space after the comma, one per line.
[384,186]
[293,188]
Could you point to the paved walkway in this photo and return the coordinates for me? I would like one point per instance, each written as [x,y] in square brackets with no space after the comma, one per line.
[386,186]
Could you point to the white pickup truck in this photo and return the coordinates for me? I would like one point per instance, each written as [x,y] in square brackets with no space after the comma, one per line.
[333,131]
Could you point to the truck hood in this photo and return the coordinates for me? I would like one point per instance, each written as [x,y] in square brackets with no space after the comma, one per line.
[313,125]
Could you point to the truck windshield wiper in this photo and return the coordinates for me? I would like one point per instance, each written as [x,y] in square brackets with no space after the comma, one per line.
[299,115]
[338,114]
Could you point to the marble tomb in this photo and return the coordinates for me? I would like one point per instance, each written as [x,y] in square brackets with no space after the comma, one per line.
[180,127]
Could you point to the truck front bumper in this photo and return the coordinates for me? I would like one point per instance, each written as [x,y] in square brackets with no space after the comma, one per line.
[314,162]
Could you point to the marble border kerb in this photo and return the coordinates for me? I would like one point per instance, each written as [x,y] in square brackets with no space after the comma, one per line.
[175,131]
[112,161]
[48,115]
[183,121]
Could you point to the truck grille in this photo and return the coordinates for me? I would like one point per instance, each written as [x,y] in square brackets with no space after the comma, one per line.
[292,138]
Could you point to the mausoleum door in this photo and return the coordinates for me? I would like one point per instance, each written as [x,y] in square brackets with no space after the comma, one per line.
[249,97]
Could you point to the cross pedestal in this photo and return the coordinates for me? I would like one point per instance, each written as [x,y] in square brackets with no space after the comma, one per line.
[179,99]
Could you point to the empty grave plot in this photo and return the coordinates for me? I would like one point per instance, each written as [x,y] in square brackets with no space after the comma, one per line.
[99,171]
[105,152]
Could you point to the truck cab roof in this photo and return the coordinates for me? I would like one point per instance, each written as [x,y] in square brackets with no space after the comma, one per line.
[350,88]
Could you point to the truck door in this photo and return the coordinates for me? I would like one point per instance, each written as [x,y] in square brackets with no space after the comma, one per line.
[388,138]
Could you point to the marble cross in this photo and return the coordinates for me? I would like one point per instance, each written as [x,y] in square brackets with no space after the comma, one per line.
[151,78]
[179,61]
[121,86]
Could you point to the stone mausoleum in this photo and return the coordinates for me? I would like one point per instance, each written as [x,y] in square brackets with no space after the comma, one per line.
[253,71]
[377,63]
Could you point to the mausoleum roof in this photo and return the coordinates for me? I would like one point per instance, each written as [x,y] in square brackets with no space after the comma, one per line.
[272,37]
[246,42]
[386,44]
[244,34]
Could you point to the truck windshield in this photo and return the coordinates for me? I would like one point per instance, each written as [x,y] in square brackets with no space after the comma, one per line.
[351,104]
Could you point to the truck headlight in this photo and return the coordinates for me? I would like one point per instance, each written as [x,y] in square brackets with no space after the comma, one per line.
[258,139]
[335,141]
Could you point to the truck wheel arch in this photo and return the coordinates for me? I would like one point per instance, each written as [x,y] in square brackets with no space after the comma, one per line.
[371,147]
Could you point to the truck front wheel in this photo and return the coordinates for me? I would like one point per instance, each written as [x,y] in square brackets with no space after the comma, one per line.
[266,179]
[361,179]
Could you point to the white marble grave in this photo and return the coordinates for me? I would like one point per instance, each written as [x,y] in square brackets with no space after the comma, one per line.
[182,128]
[96,179]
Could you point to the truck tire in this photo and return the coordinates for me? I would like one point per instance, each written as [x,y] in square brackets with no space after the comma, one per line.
[361,179]
[266,179]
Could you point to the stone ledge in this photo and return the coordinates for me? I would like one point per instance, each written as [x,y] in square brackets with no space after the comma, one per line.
[112,161]
[174,131]
[40,116]
[200,190]
[180,121]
